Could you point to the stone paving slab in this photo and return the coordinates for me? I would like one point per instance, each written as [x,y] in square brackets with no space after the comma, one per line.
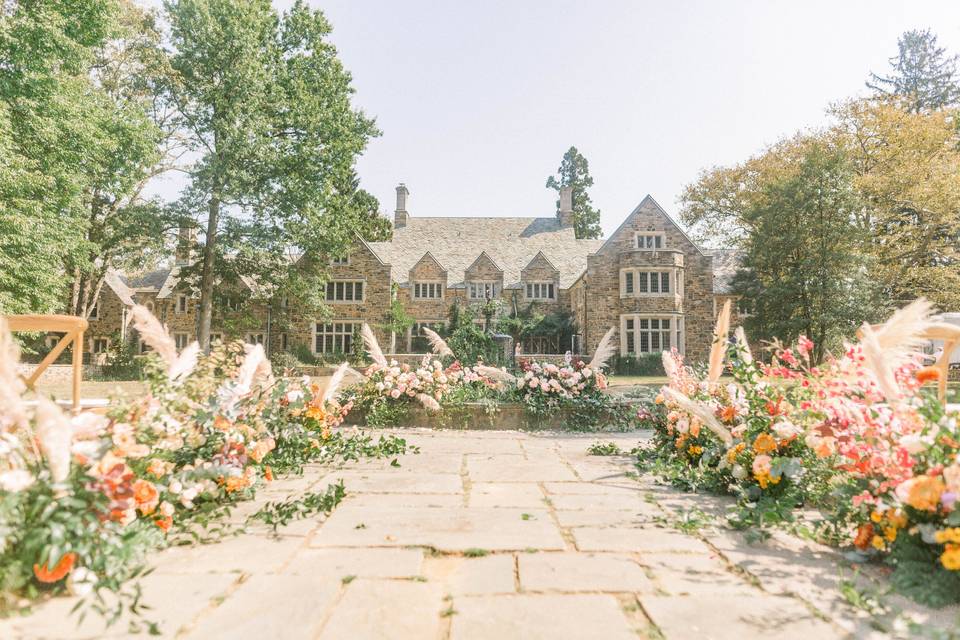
[385,609]
[581,572]
[736,617]
[540,617]
[357,562]
[635,539]
[506,494]
[267,607]
[450,529]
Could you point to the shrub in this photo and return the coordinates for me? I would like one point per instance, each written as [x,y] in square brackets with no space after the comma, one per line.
[646,364]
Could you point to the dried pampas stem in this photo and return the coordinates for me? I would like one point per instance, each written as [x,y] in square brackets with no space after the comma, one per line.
[901,336]
[334,383]
[495,374]
[185,362]
[605,350]
[701,411]
[12,410]
[55,434]
[745,346]
[669,364]
[428,401]
[154,334]
[373,347]
[438,344]
[719,349]
[879,364]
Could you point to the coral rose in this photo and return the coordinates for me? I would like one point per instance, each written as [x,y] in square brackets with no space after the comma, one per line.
[146,496]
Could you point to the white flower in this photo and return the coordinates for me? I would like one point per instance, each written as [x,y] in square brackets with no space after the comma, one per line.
[786,429]
[81,582]
[175,487]
[293,396]
[15,480]
[739,472]
[913,443]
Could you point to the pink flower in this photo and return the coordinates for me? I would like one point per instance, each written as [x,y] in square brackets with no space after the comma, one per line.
[804,345]
[761,465]
[395,393]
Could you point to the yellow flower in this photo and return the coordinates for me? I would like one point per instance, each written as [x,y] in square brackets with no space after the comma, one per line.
[948,535]
[878,543]
[890,533]
[694,450]
[876,516]
[316,413]
[951,558]
[764,444]
[922,493]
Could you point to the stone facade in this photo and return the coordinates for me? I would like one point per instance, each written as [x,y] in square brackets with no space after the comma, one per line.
[648,280]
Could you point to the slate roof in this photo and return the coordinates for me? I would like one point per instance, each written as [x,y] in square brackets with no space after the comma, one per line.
[114,280]
[149,281]
[510,242]
[726,262]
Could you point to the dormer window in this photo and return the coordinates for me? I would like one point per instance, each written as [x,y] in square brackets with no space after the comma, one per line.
[483,290]
[427,290]
[340,261]
[541,291]
[648,241]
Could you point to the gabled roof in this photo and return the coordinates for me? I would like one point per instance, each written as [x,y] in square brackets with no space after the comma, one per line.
[428,257]
[148,281]
[484,256]
[540,256]
[648,200]
[115,281]
[509,242]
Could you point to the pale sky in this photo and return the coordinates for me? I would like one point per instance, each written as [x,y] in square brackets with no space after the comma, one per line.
[478,101]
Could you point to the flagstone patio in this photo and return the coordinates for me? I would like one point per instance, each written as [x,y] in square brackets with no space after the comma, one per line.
[494,535]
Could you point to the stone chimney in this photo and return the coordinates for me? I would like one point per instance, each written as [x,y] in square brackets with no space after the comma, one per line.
[186,240]
[565,214]
[400,216]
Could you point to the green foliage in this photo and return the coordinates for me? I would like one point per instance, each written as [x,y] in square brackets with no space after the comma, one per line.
[398,320]
[804,272]
[468,341]
[604,449]
[280,514]
[574,171]
[644,364]
[922,73]
[122,361]
[285,362]
[919,574]
[267,103]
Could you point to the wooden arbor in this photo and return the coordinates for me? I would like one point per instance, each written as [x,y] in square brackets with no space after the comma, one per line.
[950,335]
[72,327]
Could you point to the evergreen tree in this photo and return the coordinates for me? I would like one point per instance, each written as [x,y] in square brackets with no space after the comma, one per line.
[574,171]
[923,74]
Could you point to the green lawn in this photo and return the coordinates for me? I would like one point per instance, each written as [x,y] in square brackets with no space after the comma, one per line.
[629,381]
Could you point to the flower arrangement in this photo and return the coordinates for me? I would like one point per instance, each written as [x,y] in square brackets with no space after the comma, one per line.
[84,500]
[858,436]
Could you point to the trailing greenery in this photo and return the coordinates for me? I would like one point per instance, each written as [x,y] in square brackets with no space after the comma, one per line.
[280,514]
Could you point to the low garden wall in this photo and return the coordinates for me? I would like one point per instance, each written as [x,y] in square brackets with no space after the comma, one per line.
[59,373]
[489,415]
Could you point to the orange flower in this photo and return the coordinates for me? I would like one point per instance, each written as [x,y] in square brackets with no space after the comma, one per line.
[927,374]
[922,492]
[164,523]
[236,483]
[316,413]
[146,496]
[221,424]
[59,571]
[268,473]
[764,443]
[864,536]
[728,414]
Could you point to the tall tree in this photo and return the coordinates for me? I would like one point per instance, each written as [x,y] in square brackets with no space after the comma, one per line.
[574,171]
[922,73]
[123,229]
[805,270]
[907,168]
[268,107]
[51,142]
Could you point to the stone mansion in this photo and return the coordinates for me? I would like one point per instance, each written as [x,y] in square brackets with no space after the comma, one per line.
[648,279]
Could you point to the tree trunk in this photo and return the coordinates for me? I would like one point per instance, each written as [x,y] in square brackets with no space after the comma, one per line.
[206,276]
